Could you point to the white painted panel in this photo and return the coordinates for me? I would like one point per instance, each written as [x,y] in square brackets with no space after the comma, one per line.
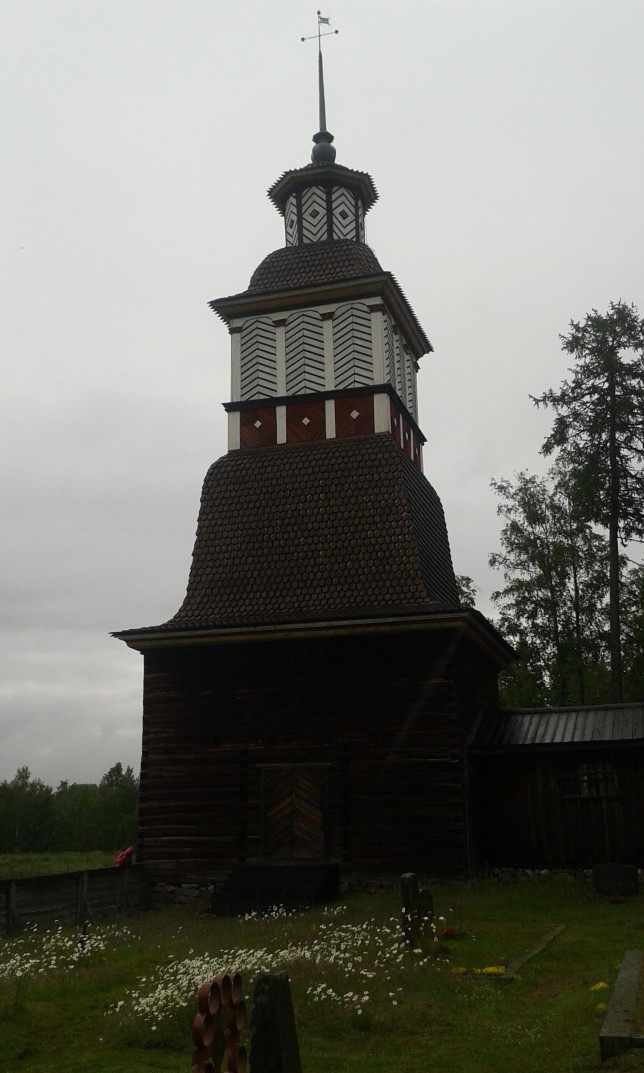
[389,350]
[378,346]
[258,375]
[290,221]
[235,366]
[352,355]
[381,413]
[233,430]
[329,413]
[329,379]
[280,359]
[314,222]
[280,420]
[304,347]
[344,213]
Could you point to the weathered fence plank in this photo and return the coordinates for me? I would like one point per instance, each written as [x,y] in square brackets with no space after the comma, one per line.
[69,896]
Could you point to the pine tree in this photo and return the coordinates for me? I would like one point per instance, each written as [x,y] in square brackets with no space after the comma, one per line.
[599,433]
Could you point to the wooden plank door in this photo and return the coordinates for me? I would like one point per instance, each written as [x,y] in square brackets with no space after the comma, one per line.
[294,812]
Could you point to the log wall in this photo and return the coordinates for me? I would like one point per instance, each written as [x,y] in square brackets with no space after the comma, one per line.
[545,809]
[386,716]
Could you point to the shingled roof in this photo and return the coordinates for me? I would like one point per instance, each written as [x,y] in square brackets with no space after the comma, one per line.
[319,262]
[324,531]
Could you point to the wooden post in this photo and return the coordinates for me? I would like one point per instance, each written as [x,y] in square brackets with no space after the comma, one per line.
[81,899]
[12,916]
[125,886]
[273,1037]
[410,907]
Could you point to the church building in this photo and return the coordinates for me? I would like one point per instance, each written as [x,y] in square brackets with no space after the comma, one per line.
[308,708]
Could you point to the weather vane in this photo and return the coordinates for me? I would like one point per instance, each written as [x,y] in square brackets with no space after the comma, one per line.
[322,21]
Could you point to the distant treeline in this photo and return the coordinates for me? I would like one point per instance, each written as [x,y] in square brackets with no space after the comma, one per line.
[34,818]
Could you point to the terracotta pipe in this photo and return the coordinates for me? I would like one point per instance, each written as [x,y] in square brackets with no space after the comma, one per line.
[226,988]
[209,998]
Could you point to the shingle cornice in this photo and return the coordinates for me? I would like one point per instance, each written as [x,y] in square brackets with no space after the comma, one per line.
[466,623]
[327,531]
[322,175]
[300,276]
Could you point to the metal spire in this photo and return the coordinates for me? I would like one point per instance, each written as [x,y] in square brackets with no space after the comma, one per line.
[323,151]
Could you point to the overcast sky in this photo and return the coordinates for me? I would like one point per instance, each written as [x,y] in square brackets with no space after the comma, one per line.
[138,138]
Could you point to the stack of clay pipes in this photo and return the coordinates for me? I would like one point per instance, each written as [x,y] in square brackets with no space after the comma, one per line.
[215,1029]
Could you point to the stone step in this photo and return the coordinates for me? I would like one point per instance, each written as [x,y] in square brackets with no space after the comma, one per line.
[261,887]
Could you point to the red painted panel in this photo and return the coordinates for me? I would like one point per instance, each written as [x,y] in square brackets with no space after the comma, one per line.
[258,427]
[416,451]
[406,438]
[354,416]
[395,420]
[305,421]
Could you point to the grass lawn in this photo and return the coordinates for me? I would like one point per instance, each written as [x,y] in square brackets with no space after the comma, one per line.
[362,1000]
[15,865]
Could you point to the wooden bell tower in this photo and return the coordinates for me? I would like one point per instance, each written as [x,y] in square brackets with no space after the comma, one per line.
[312,699]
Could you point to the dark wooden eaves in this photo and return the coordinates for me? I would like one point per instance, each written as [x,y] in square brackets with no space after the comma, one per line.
[322,175]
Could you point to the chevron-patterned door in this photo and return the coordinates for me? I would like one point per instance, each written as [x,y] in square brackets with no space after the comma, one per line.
[294,808]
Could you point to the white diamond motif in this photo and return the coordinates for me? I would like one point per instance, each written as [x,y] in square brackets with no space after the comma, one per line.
[306,420]
[258,424]
[354,414]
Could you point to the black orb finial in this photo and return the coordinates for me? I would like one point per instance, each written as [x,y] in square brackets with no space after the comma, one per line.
[323,152]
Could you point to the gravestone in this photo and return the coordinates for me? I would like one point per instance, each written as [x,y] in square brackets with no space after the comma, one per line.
[410,906]
[416,907]
[619,879]
[273,1037]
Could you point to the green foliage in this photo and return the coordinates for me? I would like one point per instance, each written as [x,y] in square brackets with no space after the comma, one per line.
[599,423]
[116,778]
[467,590]
[553,605]
[26,814]
[570,604]
[599,433]
[632,608]
[76,816]
[522,685]
[417,1007]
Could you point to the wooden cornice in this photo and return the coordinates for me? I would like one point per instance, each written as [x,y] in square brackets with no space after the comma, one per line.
[385,286]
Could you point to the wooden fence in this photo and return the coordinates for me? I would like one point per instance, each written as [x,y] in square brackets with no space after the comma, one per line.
[69,897]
